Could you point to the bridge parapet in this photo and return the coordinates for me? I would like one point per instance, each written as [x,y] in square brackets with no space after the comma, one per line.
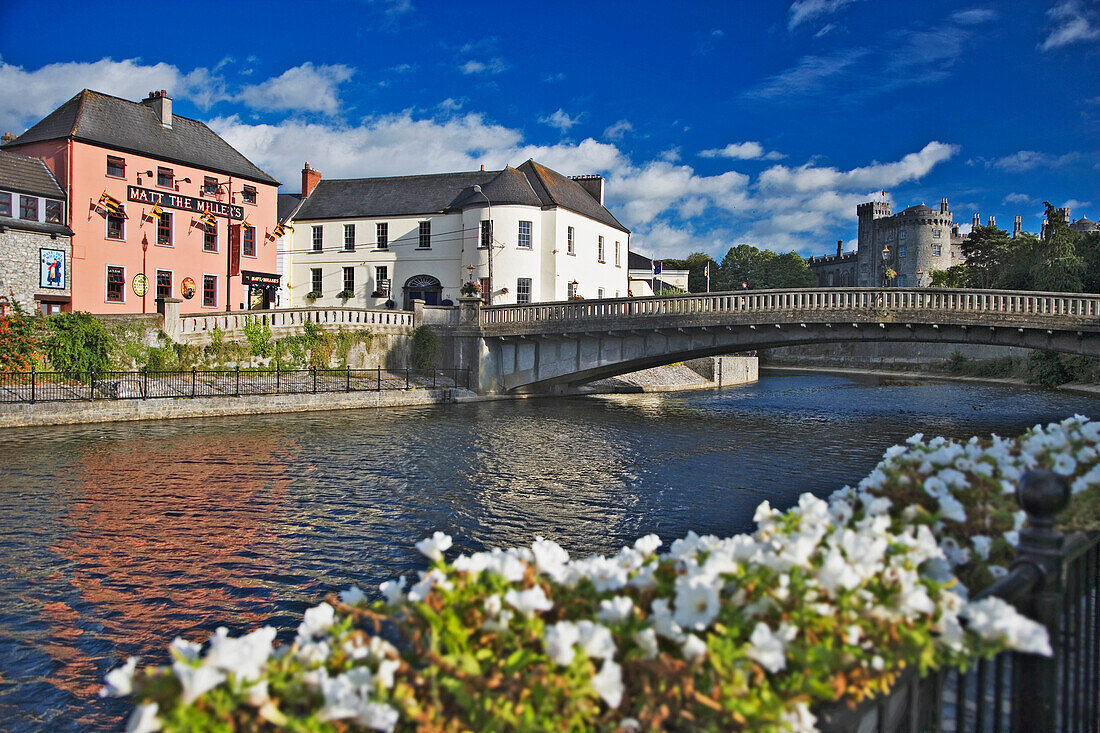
[990,307]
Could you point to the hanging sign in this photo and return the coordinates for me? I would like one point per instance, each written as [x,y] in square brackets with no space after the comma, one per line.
[187,288]
[171,200]
[140,285]
[51,269]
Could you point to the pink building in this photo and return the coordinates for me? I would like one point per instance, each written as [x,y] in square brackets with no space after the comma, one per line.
[159,205]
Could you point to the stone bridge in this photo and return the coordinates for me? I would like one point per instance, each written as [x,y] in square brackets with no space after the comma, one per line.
[553,347]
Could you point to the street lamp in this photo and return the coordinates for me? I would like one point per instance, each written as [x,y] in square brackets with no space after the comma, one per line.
[885,260]
[920,273]
[477,189]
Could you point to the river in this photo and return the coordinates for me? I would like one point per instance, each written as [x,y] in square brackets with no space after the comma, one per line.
[117,537]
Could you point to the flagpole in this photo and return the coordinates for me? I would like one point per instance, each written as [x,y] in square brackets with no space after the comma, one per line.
[229,250]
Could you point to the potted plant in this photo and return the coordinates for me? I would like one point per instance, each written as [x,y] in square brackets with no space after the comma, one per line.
[345,294]
[471,289]
[313,295]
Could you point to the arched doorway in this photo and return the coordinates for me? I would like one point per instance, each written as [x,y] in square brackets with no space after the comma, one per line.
[423,287]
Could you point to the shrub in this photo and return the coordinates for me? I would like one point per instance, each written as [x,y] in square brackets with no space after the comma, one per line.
[425,348]
[825,602]
[314,295]
[345,294]
[77,344]
[259,337]
[19,341]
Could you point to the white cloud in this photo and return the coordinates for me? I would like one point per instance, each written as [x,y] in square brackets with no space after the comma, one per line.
[825,30]
[1017,198]
[878,176]
[974,16]
[1075,204]
[28,96]
[301,88]
[450,104]
[617,130]
[1070,23]
[495,65]
[749,150]
[808,75]
[802,11]
[561,120]
[1025,160]
[553,78]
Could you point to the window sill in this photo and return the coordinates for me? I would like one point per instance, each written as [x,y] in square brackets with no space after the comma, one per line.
[117,178]
[526,249]
[571,254]
[170,246]
[345,249]
[210,251]
[316,251]
[602,262]
[115,239]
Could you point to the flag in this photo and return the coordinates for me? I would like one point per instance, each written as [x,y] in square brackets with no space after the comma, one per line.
[208,219]
[656,268]
[111,204]
[156,212]
[706,270]
[278,231]
[245,224]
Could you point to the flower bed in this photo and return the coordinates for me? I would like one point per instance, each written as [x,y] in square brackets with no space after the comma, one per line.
[828,601]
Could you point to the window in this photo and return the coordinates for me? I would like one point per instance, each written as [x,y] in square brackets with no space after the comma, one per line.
[937,250]
[382,281]
[248,241]
[54,213]
[349,279]
[209,291]
[425,235]
[599,293]
[902,234]
[315,280]
[116,167]
[349,237]
[484,290]
[382,235]
[571,290]
[165,177]
[524,240]
[901,251]
[116,226]
[318,239]
[116,284]
[164,283]
[248,194]
[937,233]
[209,186]
[569,249]
[486,233]
[523,290]
[5,204]
[210,238]
[599,249]
[164,230]
[617,255]
[28,208]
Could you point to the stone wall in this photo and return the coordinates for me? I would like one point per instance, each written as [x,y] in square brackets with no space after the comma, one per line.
[727,371]
[869,355]
[19,267]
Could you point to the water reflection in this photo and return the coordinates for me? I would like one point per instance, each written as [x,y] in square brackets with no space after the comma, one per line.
[116,538]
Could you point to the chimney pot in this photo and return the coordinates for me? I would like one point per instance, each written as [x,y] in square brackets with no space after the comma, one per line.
[310,179]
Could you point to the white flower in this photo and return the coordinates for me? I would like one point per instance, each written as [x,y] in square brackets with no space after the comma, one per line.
[378,716]
[143,719]
[316,621]
[765,513]
[995,620]
[647,545]
[608,684]
[629,725]
[244,657]
[951,508]
[559,640]
[257,694]
[500,623]
[352,596]
[188,651]
[312,652]
[981,545]
[433,547]
[550,558]
[492,605]
[836,573]
[429,580]
[697,602]
[799,719]
[768,649]
[1064,465]
[646,639]
[662,620]
[120,681]
[528,602]
[394,590]
[693,647]
[196,681]
[386,670]
[596,640]
[934,487]
[615,609]
[1012,536]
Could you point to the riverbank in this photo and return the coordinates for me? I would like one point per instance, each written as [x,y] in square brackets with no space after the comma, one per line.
[1089,389]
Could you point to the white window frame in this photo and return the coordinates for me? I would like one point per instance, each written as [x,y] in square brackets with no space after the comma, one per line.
[520,281]
[600,250]
[348,269]
[317,237]
[420,235]
[520,234]
[349,233]
[382,235]
[570,241]
[107,228]
[206,231]
[171,231]
[618,263]
[202,293]
[106,274]
[171,278]
[315,274]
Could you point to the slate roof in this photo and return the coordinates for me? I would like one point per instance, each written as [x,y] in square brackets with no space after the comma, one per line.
[919,209]
[635,261]
[133,127]
[29,175]
[287,203]
[531,184]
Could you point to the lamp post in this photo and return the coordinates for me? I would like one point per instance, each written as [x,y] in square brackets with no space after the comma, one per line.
[477,189]
[885,261]
[920,274]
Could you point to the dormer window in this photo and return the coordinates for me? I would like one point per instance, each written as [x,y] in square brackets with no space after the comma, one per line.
[28,208]
[248,194]
[166,178]
[116,167]
[5,204]
[54,213]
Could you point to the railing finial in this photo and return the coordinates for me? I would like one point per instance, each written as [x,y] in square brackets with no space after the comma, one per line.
[1043,495]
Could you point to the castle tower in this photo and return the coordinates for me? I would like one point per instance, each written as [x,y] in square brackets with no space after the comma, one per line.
[992,221]
[976,222]
[1017,228]
[870,261]
[943,205]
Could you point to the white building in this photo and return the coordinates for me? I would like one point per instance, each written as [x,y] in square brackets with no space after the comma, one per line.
[366,241]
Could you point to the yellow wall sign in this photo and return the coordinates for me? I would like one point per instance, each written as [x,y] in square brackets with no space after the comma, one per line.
[140,285]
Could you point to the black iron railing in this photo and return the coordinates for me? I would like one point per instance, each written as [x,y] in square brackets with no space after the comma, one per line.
[1055,580]
[35,386]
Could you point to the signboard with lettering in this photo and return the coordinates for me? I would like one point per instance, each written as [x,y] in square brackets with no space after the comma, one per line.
[169,200]
[268,279]
[140,285]
[51,266]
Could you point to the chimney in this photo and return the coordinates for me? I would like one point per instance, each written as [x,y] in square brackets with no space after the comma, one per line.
[954,231]
[977,222]
[943,205]
[310,179]
[160,103]
[992,221]
[839,247]
[7,138]
[482,167]
[1017,228]
[592,184]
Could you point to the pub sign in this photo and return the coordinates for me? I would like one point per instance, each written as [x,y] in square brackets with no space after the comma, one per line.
[51,269]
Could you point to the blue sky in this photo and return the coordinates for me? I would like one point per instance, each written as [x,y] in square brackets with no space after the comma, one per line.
[715,123]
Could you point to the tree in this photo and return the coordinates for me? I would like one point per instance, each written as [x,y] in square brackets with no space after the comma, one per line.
[1088,249]
[1057,267]
[743,264]
[695,264]
[953,277]
[985,251]
[790,271]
